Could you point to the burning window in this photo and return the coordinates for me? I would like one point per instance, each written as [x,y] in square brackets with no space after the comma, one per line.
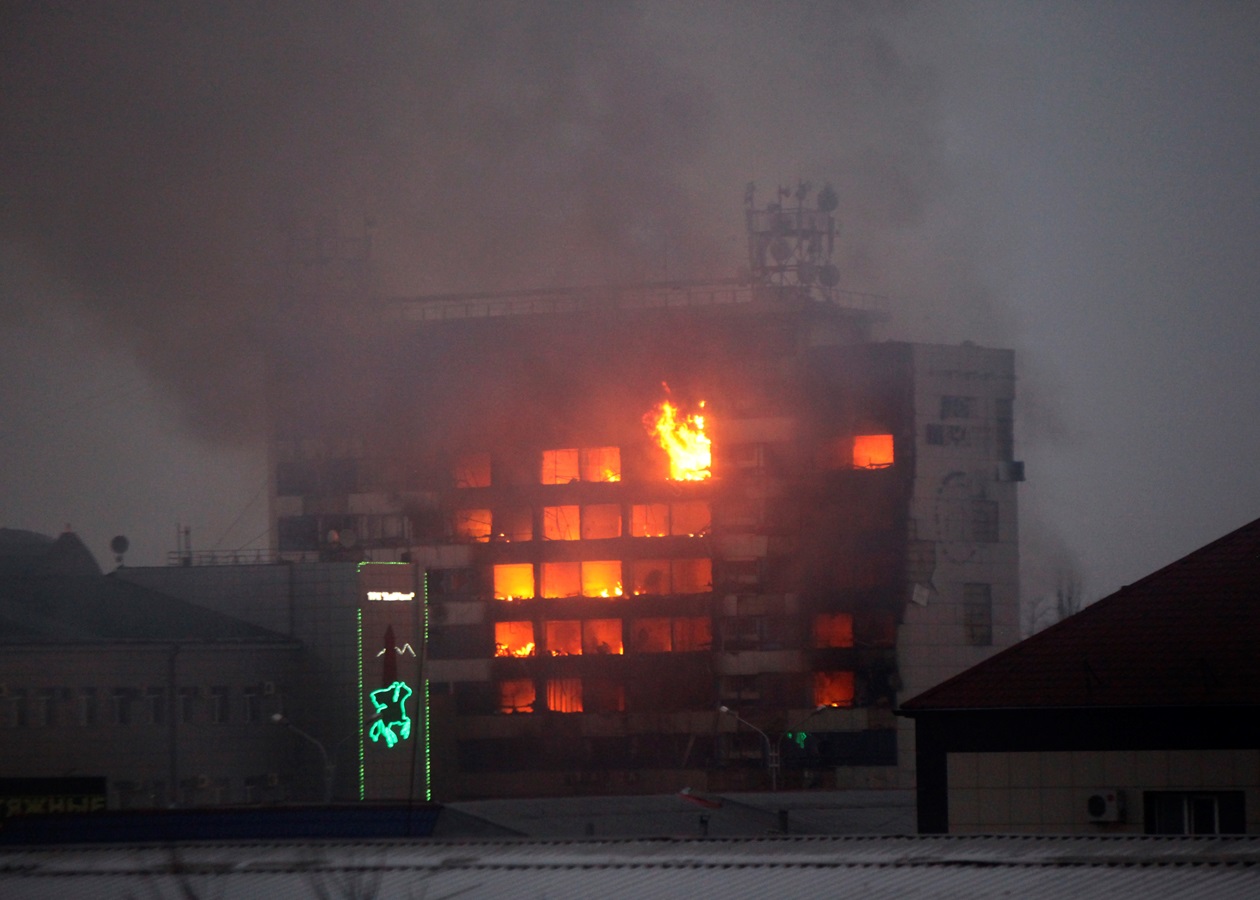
[689,518]
[601,464]
[586,464]
[513,638]
[683,439]
[601,520]
[872,451]
[651,636]
[472,524]
[513,524]
[602,637]
[833,630]
[564,695]
[649,576]
[601,578]
[517,696]
[560,466]
[692,576]
[561,579]
[564,637]
[649,520]
[513,581]
[833,688]
[693,633]
[472,470]
[560,523]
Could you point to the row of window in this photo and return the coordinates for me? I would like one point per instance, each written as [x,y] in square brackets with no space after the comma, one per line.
[574,637]
[49,707]
[575,695]
[594,521]
[602,578]
[201,790]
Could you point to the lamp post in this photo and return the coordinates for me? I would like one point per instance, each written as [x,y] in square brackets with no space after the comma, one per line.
[773,749]
[329,759]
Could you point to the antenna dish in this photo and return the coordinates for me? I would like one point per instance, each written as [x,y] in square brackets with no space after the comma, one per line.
[119,544]
[781,250]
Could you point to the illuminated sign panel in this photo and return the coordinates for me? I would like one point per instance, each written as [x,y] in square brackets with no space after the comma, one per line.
[391,596]
[391,722]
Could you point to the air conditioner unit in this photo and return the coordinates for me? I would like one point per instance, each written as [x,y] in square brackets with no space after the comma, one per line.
[1105,806]
[203,781]
[269,687]
[273,779]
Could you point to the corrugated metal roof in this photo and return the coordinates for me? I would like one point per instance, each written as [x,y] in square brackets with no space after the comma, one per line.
[1182,636]
[876,867]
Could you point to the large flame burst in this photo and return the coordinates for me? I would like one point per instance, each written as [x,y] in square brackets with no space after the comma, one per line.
[683,439]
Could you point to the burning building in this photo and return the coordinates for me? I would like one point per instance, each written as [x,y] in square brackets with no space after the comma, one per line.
[673,534]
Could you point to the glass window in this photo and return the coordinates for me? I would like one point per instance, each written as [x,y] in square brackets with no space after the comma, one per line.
[601,464]
[651,636]
[692,576]
[650,576]
[513,524]
[601,520]
[872,451]
[833,630]
[978,614]
[602,637]
[693,633]
[513,638]
[560,523]
[516,696]
[561,579]
[513,581]
[564,637]
[601,578]
[472,525]
[833,688]
[564,695]
[561,466]
[649,520]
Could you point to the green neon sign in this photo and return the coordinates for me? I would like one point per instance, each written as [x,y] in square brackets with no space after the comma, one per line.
[390,720]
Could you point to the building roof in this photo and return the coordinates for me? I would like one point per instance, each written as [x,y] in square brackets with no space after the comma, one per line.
[1183,636]
[53,591]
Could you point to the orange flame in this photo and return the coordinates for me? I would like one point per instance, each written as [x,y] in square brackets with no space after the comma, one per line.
[684,440]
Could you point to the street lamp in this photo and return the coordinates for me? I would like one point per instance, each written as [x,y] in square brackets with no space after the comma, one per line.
[773,749]
[330,759]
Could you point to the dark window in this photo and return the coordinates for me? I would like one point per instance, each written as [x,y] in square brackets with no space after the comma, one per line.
[957,407]
[155,699]
[1004,429]
[220,709]
[187,704]
[978,614]
[1194,812]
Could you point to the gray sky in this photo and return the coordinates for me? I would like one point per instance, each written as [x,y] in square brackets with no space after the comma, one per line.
[1079,181]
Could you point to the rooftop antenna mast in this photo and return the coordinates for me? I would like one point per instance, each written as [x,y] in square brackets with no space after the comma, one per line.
[791,239]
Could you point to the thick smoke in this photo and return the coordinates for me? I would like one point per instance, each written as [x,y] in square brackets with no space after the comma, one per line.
[166,162]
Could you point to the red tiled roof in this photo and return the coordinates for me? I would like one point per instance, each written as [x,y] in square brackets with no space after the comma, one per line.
[1185,635]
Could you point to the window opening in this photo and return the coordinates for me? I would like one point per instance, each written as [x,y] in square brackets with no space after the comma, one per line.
[513,638]
[561,523]
[872,451]
[602,637]
[978,614]
[472,470]
[833,630]
[833,688]
[564,695]
[517,696]
[513,581]
[472,525]
[649,520]
[601,578]
[561,579]
[564,637]
[600,521]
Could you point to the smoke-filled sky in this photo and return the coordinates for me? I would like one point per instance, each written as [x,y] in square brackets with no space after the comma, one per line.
[1080,182]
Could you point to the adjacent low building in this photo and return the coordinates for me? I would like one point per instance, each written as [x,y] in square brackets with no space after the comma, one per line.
[1136,715]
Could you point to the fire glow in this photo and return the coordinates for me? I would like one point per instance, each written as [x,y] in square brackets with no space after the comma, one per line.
[683,440]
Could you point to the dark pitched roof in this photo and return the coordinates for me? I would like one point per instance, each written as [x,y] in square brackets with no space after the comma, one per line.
[1186,635]
[53,590]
